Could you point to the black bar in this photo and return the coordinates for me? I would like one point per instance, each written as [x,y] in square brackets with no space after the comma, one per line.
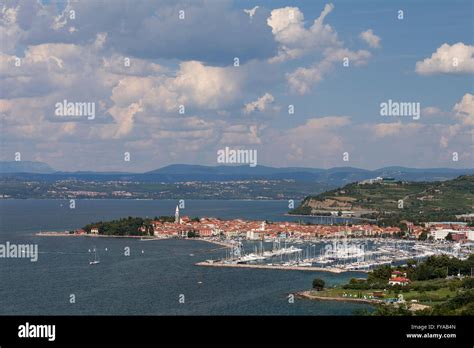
[209,330]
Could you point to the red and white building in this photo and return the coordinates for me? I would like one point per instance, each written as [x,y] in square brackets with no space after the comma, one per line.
[399,278]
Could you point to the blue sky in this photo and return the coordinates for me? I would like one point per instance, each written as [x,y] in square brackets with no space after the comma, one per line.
[286,58]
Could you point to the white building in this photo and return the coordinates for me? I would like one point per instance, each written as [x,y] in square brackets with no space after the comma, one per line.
[254,235]
[470,235]
[371,181]
[442,233]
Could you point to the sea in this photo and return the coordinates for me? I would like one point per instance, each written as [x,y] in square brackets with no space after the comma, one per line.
[134,277]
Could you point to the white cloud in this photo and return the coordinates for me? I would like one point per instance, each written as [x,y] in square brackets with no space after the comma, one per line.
[454,134]
[260,104]
[143,29]
[448,59]
[464,110]
[10,31]
[317,142]
[204,86]
[294,39]
[143,91]
[251,11]
[302,79]
[140,102]
[431,111]
[370,38]
[447,134]
[322,123]
[124,120]
[382,130]
[195,86]
[240,135]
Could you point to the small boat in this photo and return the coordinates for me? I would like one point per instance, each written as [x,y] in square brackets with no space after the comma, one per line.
[304,264]
[96,258]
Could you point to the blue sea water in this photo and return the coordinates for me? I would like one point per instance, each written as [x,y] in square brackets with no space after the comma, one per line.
[154,277]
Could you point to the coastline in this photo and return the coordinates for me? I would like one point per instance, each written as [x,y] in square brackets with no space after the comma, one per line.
[330,216]
[67,234]
[309,295]
[143,238]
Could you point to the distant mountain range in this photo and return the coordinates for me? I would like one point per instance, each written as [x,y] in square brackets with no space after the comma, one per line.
[183,172]
[25,167]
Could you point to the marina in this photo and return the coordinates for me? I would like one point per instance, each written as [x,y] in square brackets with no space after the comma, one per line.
[336,256]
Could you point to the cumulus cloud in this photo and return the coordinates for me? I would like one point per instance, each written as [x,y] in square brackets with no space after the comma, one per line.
[204,86]
[138,98]
[139,62]
[370,38]
[323,123]
[10,31]
[294,39]
[382,130]
[320,39]
[431,111]
[194,86]
[141,91]
[464,110]
[146,29]
[260,104]
[241,135]
[447,134]
[448,59]
[303,79]
[318,141]
[456,128]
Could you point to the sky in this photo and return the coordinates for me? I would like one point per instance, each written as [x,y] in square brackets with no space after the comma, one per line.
[302,83]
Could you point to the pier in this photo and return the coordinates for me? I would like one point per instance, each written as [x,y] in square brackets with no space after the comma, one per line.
[280,267]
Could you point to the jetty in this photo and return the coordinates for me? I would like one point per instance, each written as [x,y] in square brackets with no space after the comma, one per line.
[279,267]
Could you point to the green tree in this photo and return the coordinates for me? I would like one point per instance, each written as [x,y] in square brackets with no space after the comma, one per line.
[192,234]
[468,283]
[423,235]
[318,284]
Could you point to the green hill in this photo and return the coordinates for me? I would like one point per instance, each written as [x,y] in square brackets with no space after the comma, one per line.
[422,201]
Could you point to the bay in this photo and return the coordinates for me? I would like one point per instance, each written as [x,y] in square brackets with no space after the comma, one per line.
[155,276]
